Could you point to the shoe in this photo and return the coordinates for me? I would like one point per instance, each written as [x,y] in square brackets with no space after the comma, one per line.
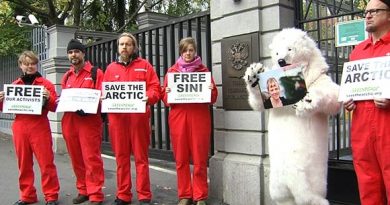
[52,203]
[185,202]
[144,202]
[20,202]
[95,203]
[120,202]
[201,202]
[80,199]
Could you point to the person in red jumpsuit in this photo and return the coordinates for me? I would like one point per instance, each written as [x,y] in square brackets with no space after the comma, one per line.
[370,134]
[130,132]
[190,129]
[32,136]
[83,132]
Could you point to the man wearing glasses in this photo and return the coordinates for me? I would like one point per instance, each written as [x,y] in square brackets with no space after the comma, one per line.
[370,133]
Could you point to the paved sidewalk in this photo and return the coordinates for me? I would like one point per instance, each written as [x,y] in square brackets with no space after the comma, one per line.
[162,174]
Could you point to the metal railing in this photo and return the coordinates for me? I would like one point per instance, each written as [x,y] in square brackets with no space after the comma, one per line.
[159,45]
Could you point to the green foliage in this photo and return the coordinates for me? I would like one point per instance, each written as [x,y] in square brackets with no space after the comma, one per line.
[13,39]
[181,7]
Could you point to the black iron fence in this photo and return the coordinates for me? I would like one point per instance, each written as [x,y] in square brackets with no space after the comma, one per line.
[159,45]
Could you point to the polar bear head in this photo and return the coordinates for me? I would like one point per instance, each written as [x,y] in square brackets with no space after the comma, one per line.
[294,46]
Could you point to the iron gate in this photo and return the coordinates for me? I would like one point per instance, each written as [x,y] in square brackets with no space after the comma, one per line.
[159,45]
[317,18]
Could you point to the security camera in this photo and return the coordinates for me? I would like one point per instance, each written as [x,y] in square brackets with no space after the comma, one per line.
[33,19]
[21,19]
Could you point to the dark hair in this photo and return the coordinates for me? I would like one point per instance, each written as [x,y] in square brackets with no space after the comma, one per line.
[387,2]
[75,44]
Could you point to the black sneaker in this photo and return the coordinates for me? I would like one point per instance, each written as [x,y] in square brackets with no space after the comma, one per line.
[52,203]
[120,202]
[20,202]
[80,199]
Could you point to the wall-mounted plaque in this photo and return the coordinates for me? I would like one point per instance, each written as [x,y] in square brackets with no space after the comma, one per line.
[237,54]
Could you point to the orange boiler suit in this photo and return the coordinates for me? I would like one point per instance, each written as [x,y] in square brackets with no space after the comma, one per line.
[190,130]
[83,136]
[370,135]
[32,135]
[130,132]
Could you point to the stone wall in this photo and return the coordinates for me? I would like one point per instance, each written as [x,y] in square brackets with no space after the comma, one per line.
[240,167]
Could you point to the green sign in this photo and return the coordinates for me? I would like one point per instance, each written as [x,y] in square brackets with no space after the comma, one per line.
[350,32]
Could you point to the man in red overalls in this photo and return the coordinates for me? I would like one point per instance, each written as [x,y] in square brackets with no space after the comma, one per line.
[32,135]
[130,132]
[83,132]
[370,134]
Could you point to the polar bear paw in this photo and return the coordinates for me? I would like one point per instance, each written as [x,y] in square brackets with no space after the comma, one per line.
[251,72]
[307,106]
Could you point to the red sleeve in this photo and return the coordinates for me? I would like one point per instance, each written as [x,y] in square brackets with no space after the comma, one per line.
[164,95]
[106,75]
[99,79]
[214,92]
[64,79]
[51,105]
[153,89]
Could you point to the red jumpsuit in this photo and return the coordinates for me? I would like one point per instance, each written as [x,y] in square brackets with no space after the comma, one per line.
[32,135]
[130,132]
[83,136]
[371,135]
[190,129]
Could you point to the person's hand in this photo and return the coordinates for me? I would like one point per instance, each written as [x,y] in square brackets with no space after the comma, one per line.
[381,102]
[211,86]
[349,105]
[145,99]
[1,96]
[81,112]
[46,93]
[167,90]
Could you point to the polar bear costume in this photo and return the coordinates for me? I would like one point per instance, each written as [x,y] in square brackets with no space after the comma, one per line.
[298,134]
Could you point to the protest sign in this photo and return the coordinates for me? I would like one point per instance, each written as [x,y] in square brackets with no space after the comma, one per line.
[23,99]
[73,99]
[189,87]
[282,86]
[124,97]
[365,79]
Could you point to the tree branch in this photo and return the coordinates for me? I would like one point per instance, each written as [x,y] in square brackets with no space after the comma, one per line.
[132,16]
[29,7]
[68,8]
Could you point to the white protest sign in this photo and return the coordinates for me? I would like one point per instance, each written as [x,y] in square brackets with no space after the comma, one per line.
[189,87]
[23,99]
[124,97]
[73,99]
[365,79]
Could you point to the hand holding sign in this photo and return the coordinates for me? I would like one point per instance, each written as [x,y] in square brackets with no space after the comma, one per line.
[46,93]
[23,99]
[124,97]
[349,105]
[365,79]
[381,102]
[189,87]
[1,96]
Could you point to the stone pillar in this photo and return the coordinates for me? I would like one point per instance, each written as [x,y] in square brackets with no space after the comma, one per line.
[55,66]
[239,169]
[147,19]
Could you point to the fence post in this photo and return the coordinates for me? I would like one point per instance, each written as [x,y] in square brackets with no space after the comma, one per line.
[55,66]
